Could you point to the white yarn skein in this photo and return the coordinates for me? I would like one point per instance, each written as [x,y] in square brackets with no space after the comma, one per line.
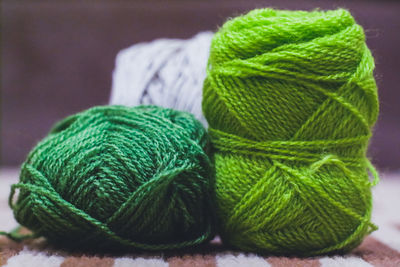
[164,72]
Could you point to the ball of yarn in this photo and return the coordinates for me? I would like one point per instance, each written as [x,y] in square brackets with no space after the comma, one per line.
[290,99]
[119,177]
[164,72]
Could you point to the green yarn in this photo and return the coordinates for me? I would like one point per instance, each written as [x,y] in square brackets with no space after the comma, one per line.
[290,99]
[119,177]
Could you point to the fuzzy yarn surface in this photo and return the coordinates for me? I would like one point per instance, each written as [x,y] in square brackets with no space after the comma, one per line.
[117,177]
[164,72]
[290,99]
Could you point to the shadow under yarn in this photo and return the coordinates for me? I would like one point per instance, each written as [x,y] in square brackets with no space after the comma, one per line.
[290,99]
[117,177]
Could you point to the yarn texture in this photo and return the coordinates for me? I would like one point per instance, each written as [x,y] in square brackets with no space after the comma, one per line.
[164,72]
[290,99]
[119,177]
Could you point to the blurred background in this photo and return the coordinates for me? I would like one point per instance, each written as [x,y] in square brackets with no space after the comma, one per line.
[57,58]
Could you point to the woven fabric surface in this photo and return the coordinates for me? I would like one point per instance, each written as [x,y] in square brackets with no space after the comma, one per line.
[382,248]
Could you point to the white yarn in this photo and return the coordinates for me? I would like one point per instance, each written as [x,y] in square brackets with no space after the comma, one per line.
[164,72]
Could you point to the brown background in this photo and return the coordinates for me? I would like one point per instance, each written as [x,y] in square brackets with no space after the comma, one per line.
[57,57]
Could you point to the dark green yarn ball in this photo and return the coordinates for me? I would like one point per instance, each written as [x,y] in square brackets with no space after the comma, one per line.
[114,176]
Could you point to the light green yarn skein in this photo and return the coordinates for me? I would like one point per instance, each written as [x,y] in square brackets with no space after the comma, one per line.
[291,99]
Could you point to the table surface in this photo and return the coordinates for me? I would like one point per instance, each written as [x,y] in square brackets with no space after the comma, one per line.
[382,248]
